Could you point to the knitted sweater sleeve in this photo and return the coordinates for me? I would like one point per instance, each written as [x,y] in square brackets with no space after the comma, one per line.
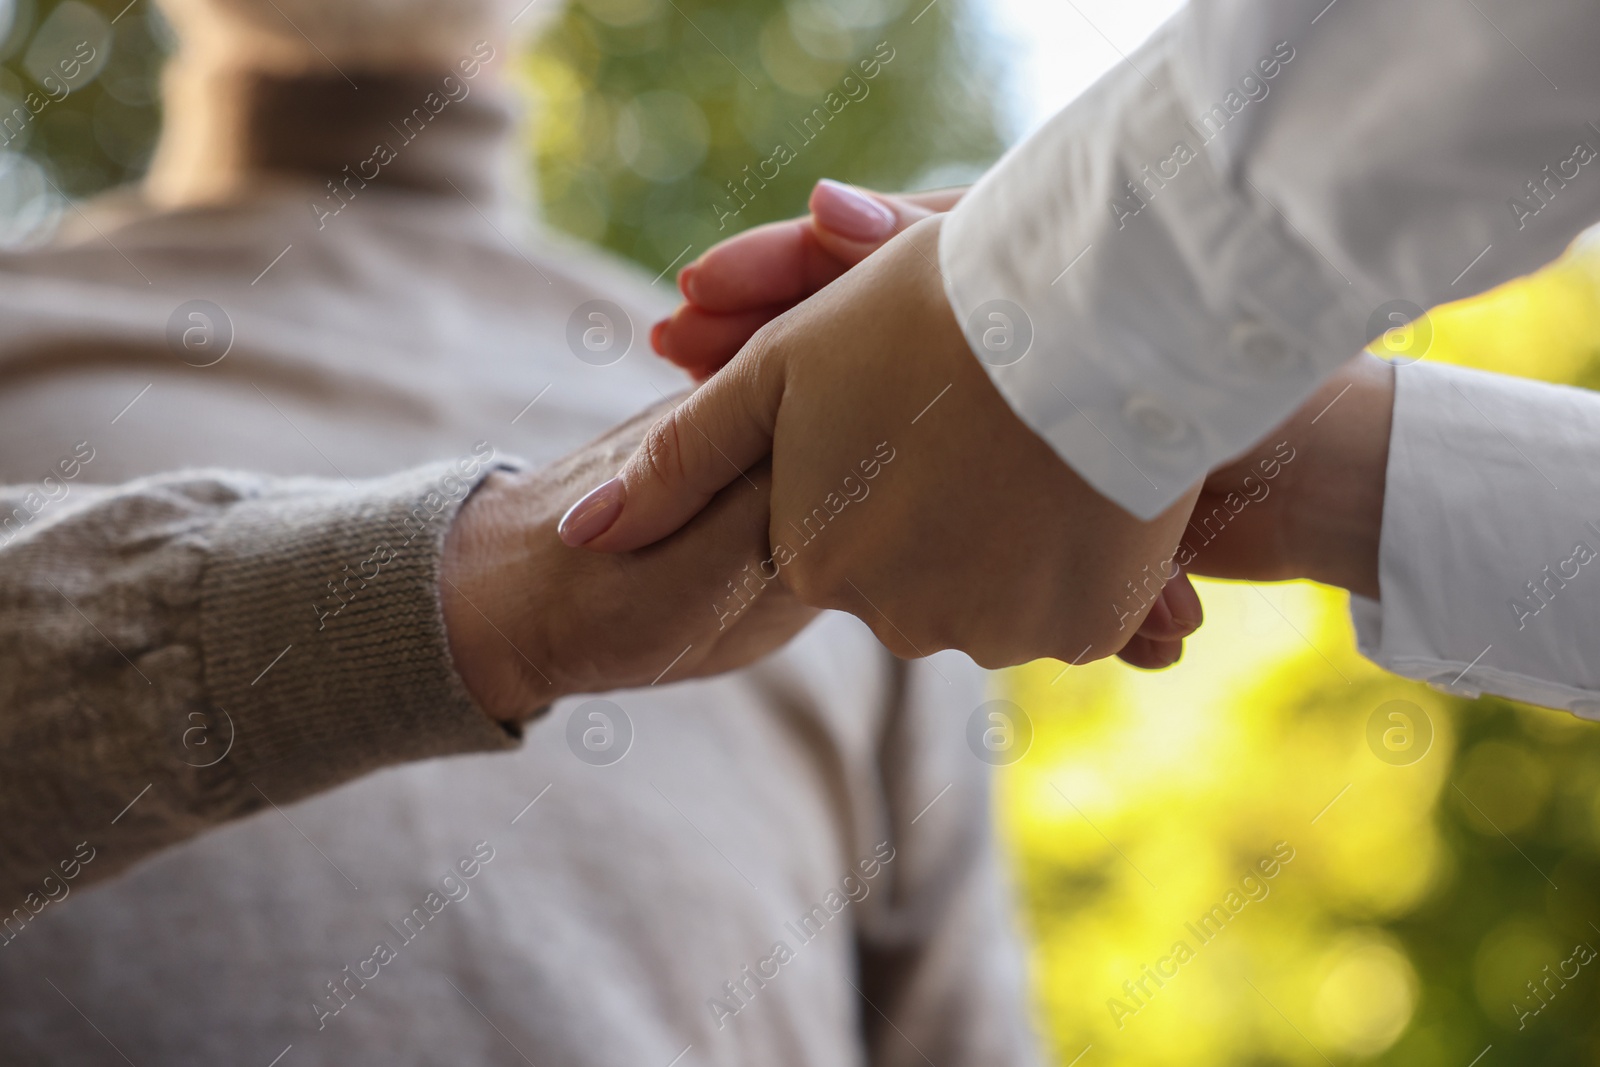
[185,649]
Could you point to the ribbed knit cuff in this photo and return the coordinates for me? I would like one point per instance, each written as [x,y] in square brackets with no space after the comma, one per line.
[324,638]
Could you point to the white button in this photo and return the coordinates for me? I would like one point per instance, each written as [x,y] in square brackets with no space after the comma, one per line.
[1587,709]
[1261,350]
[1153,421]
[1456,686]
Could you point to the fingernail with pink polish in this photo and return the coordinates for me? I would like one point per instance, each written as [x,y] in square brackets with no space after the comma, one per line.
[850,213]
[593,515]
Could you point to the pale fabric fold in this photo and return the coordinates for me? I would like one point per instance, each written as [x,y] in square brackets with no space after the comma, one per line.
[1489,569]
[1251,197]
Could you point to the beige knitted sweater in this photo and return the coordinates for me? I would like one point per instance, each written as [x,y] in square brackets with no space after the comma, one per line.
[144,626]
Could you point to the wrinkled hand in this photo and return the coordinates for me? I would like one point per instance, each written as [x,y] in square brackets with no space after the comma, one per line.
[530,621]
[905,490]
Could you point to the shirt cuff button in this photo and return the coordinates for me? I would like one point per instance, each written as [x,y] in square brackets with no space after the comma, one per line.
[1260,351]
[1153,422]
[1455,685]
[1587,709]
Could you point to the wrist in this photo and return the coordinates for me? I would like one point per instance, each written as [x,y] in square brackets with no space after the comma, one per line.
[486,615]
[1334,519]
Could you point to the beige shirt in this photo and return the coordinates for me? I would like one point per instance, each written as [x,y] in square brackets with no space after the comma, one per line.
[792,864]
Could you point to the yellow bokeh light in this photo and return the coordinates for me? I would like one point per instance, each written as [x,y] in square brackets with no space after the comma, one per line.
[1367,995]
[1146,796]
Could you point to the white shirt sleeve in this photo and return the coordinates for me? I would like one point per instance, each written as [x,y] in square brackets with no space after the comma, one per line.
[1172,264]
[1489,567]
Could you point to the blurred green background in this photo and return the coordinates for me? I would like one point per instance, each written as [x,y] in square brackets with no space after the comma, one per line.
[1440,860]
[650,109]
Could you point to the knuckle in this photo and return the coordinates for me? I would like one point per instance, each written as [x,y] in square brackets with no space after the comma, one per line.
[891,639]
[662,452]
[766,338]
[930,630]
[765,351]
[905,631]
[811,583]
[991,659]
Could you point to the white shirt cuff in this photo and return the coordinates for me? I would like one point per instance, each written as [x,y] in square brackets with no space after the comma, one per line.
[1491,507]
[1148,328]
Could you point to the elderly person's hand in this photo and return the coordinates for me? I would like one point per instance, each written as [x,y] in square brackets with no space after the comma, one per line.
[530,621]
[741,284]
[905,490]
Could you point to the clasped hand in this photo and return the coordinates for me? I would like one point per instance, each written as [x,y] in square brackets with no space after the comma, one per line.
[827,344]
[975,536]
[530,621]
[846,450]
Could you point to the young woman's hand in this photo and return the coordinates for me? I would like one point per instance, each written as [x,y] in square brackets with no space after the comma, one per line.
[740,285]
[904,488]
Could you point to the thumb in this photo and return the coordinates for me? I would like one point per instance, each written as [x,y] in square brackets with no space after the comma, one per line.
[692,452]
[850,223]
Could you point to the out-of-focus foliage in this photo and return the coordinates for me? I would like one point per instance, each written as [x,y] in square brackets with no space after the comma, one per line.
[659,125]
[79,106]
[1422,899]
[665,125]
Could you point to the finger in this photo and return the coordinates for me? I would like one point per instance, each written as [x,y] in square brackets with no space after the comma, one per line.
[695,450]
[1183,601]
[774,616]
[764,271]
[779,263]
[851,223]
[1150,654]
[782,263]
[1176,613]
[937,199]
[701,342]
